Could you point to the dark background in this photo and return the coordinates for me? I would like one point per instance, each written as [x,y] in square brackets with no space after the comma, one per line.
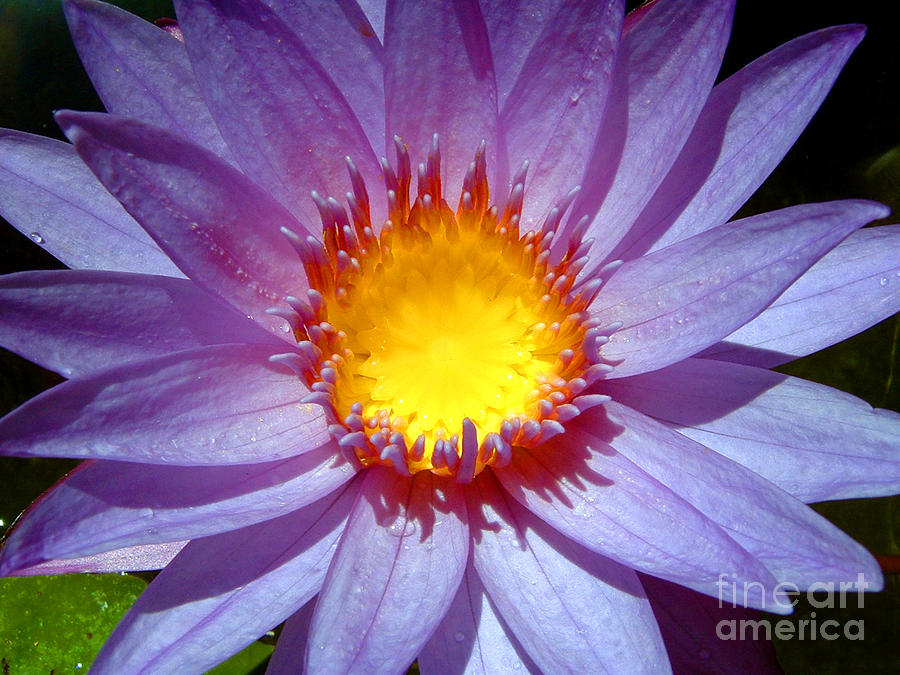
[851,149]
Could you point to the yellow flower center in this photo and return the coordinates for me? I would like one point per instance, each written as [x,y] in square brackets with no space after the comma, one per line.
[447,339]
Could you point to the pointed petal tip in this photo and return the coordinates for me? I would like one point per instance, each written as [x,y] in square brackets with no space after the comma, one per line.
[77,123]
[71,5]
[877,210]
[68,122]
[853,32]
[860,210]
[75,9]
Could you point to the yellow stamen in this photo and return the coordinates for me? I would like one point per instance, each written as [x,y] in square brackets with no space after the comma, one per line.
[448,338]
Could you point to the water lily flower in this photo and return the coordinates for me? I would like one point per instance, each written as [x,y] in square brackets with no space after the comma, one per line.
[487,403]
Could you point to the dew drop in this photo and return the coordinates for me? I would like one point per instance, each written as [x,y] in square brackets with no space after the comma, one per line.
[883,281]
[459,637]
[395,529]
[407,530]
[37,238]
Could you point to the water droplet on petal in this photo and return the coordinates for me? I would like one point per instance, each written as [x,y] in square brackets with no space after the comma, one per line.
[459,637]
[883,281]
[37,238]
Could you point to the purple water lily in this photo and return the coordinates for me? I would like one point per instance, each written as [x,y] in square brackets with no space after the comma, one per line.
[449,406]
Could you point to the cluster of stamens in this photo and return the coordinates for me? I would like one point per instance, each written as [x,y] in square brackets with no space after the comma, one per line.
[466,297]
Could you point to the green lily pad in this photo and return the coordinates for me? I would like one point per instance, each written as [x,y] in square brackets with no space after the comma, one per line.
[58,624]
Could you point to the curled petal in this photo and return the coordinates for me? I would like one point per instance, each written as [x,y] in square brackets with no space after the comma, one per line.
[224,404]
[103,506]
[792,432]
[82,322]
[140,558]
[683,298]
[853,287]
